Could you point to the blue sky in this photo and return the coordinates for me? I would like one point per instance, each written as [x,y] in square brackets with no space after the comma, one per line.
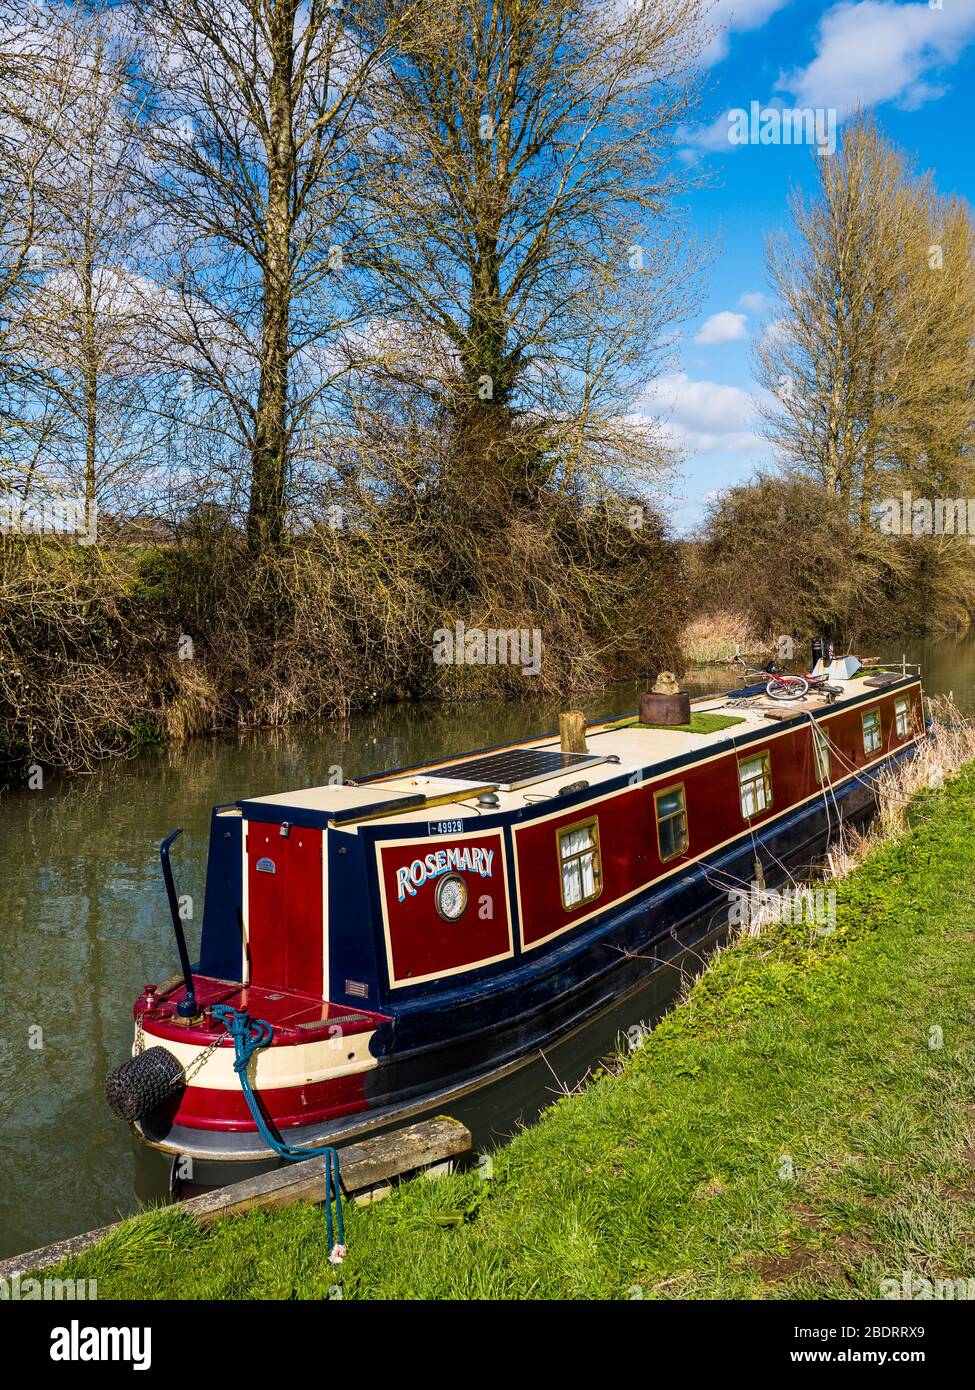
[910,62]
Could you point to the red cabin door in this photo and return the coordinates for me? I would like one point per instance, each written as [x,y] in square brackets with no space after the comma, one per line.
[284,907]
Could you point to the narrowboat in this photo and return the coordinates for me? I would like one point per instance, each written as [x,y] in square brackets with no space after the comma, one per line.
[412,935]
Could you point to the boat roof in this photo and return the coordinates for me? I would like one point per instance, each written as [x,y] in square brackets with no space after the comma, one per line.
[616,748]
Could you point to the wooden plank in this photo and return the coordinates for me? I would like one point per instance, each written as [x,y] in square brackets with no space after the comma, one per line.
[787,708]
[421,803]
[50,1255]
[364,1165]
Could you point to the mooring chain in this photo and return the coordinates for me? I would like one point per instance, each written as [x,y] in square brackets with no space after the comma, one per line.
[191,1068]
[199,1060]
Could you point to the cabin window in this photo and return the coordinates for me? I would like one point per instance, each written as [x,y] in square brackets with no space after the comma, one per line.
[755,785]
[671,823]
[902,715]
[582,878]
[872,738]
[821,754]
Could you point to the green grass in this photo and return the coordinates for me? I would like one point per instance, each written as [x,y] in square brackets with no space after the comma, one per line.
[701,723]
[794,1129]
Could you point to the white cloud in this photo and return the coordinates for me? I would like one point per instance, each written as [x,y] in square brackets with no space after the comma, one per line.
[703,416]
[708,139]
[728,17]
[776,331]
[867,52]
[725,18]
[755,302]
[871,51]
[725,327]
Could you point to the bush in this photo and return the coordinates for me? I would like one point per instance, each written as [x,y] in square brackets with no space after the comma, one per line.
[156,578]
[105,649]
[785,551]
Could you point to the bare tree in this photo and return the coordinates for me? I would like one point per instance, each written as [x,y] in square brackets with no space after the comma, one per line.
[533,241]
[933,444]
[868,363]
[38,58]
[258,129]
[86,334]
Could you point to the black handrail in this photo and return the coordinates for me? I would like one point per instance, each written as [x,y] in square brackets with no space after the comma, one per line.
[186,1008]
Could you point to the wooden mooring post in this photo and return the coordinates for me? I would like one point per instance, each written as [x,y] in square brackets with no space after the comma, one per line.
[367,1168]
[572,731]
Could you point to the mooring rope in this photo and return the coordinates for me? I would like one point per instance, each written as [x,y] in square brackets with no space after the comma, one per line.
[250,1035]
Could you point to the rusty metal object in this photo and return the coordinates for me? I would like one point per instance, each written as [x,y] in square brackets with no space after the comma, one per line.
[666,703]
[658,707]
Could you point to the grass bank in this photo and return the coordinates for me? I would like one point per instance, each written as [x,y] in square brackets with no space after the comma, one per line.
[801,1126]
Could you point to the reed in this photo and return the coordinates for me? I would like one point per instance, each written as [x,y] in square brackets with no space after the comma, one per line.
[713,638]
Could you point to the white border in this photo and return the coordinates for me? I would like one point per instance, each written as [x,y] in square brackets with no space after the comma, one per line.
[278,1067]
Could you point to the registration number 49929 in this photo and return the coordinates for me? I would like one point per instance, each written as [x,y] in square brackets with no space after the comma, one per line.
[445,827]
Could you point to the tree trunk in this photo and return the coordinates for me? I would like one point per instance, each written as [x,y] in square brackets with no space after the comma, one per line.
[267,512]
[90,388]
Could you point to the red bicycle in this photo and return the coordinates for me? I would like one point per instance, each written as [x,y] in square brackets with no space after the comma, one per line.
[779,685]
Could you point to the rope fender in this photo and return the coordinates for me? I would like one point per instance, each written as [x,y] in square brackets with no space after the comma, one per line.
[250,1035]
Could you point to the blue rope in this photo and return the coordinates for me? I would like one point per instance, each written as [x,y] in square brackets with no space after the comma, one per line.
[250,1035]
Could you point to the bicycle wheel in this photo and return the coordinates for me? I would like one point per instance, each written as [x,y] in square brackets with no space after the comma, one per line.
[787,687]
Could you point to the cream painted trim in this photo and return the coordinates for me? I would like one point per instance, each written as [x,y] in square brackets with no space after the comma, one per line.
[685,863]
[326,982]
[442,840]
[245,972]
[273,1068]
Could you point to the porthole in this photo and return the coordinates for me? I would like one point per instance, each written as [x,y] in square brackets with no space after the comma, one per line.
[450,898]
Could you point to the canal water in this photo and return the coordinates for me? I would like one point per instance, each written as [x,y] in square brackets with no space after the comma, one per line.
[84,925]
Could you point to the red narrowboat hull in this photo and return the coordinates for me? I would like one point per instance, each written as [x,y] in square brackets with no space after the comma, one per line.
[327,914]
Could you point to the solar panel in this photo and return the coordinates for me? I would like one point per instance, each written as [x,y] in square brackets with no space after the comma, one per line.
[516,767]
